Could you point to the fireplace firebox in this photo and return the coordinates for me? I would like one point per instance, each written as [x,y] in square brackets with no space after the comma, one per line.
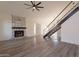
[18,33]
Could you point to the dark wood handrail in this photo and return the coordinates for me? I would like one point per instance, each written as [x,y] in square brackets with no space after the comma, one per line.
[58,15]
[58,26]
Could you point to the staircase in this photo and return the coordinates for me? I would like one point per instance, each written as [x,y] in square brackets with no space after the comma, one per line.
[66,13]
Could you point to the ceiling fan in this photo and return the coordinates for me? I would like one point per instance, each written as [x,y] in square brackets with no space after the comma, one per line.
[34,6]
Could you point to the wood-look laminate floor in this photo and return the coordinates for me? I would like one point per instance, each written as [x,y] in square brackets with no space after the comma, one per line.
[37,47]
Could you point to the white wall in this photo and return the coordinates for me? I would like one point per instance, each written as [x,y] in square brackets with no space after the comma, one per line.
[30,28]
[5,26]
[33,28]
[70,30]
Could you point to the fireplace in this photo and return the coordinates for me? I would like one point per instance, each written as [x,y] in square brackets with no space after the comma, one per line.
[18,33]
[18,27]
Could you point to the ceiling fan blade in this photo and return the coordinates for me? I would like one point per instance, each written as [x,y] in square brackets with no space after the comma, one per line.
[32,2]
[38,3]
[39,7]
[27,4]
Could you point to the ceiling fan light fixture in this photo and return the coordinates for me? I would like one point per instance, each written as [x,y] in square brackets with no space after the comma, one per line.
[34,8]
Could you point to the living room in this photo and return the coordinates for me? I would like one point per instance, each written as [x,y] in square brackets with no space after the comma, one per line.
[26,28]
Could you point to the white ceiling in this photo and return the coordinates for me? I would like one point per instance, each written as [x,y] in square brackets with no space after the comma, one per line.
[50,10]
